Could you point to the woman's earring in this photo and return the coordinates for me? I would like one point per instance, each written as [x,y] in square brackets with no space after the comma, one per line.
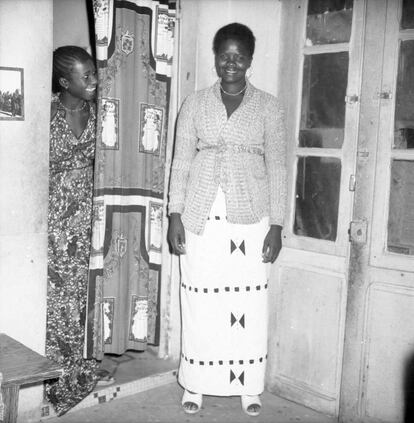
[249,73]
[63,83]
[213,71]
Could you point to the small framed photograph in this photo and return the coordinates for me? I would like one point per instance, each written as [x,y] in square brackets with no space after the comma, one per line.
[150,128]
[110,123]
[11,94]
[155,226]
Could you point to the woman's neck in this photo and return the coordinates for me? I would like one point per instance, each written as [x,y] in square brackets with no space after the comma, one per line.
[71,103]
[233,88]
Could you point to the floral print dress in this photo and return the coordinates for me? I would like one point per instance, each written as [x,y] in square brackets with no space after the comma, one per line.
[69,233]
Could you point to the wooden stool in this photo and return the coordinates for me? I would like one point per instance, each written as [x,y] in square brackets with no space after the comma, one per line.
[20,365]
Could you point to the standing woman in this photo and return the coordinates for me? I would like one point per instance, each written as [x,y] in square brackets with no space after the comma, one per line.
[71,158]
[226,210]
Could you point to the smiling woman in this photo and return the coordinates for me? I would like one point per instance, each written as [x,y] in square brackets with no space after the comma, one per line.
[233,51]
[226,209]
[71,158]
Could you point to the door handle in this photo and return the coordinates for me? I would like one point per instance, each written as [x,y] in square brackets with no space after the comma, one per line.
[358,231]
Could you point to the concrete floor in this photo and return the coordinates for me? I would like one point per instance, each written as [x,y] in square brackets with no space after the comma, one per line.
[134,365]
[162,405]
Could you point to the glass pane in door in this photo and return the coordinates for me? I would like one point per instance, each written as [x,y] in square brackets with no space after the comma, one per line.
[329,21]
[404,101]
[407,17]
[325,78]
[401,208]
[317,197]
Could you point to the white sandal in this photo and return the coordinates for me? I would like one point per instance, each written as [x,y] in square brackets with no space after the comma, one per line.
[191,398]
[247,401]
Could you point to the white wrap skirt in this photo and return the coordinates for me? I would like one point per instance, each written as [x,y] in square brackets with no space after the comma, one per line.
[224,291]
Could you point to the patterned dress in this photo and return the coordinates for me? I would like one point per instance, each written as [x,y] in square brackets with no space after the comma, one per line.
[69,222]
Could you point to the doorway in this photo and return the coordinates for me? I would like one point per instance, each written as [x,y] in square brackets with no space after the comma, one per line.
[132,368]
[309,290]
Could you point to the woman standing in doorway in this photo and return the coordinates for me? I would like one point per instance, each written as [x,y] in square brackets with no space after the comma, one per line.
[226,210]
[71,158]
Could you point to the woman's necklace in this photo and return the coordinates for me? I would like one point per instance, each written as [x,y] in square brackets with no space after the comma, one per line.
[76,109]
[233,94]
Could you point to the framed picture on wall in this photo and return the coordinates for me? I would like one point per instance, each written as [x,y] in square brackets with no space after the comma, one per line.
[11,93]
[150,128]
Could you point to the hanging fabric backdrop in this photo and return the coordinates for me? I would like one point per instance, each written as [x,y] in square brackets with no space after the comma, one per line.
[134,46]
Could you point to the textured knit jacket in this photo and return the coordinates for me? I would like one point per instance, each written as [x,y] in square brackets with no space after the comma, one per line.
[244,154]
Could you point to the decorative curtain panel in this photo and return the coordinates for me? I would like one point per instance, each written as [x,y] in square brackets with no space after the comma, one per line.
[134,49]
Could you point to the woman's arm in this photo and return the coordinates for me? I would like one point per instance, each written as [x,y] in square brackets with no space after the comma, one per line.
[275,161]
[184,152]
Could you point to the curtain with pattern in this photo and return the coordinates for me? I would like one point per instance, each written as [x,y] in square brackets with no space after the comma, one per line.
[134,49]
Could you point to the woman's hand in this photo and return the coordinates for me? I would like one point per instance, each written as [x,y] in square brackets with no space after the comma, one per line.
[272,244]
[176,234]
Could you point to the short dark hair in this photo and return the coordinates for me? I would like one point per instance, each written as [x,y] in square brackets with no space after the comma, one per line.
[64,59]
[235,31]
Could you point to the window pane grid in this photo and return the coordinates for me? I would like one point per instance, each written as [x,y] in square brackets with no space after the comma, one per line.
[322,120]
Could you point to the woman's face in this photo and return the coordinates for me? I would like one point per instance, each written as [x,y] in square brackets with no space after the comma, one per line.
[232,61]
[82,81]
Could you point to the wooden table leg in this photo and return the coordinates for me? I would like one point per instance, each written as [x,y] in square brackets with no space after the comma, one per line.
[11,402]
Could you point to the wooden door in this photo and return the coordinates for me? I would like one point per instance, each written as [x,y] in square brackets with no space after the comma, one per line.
[320,85]
[378,376]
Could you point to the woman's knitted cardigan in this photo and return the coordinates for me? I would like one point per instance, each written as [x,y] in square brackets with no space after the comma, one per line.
[244,154]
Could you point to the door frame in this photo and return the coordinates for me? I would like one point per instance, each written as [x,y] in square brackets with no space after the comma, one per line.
[319,258]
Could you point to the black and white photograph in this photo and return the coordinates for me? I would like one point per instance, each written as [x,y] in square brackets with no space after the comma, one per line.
[207,211]
[11,93]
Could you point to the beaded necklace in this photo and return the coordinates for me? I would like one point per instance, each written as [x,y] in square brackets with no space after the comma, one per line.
[76,109]
[233,94]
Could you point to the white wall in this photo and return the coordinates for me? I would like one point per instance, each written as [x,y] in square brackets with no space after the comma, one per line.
[70,24]
[29,32]
[25,42]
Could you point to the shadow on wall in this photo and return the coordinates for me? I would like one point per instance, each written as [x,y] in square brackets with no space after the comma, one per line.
[91,24]
[409,391]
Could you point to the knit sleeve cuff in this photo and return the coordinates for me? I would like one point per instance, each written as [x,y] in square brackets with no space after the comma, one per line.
[276,221]
[175,208]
